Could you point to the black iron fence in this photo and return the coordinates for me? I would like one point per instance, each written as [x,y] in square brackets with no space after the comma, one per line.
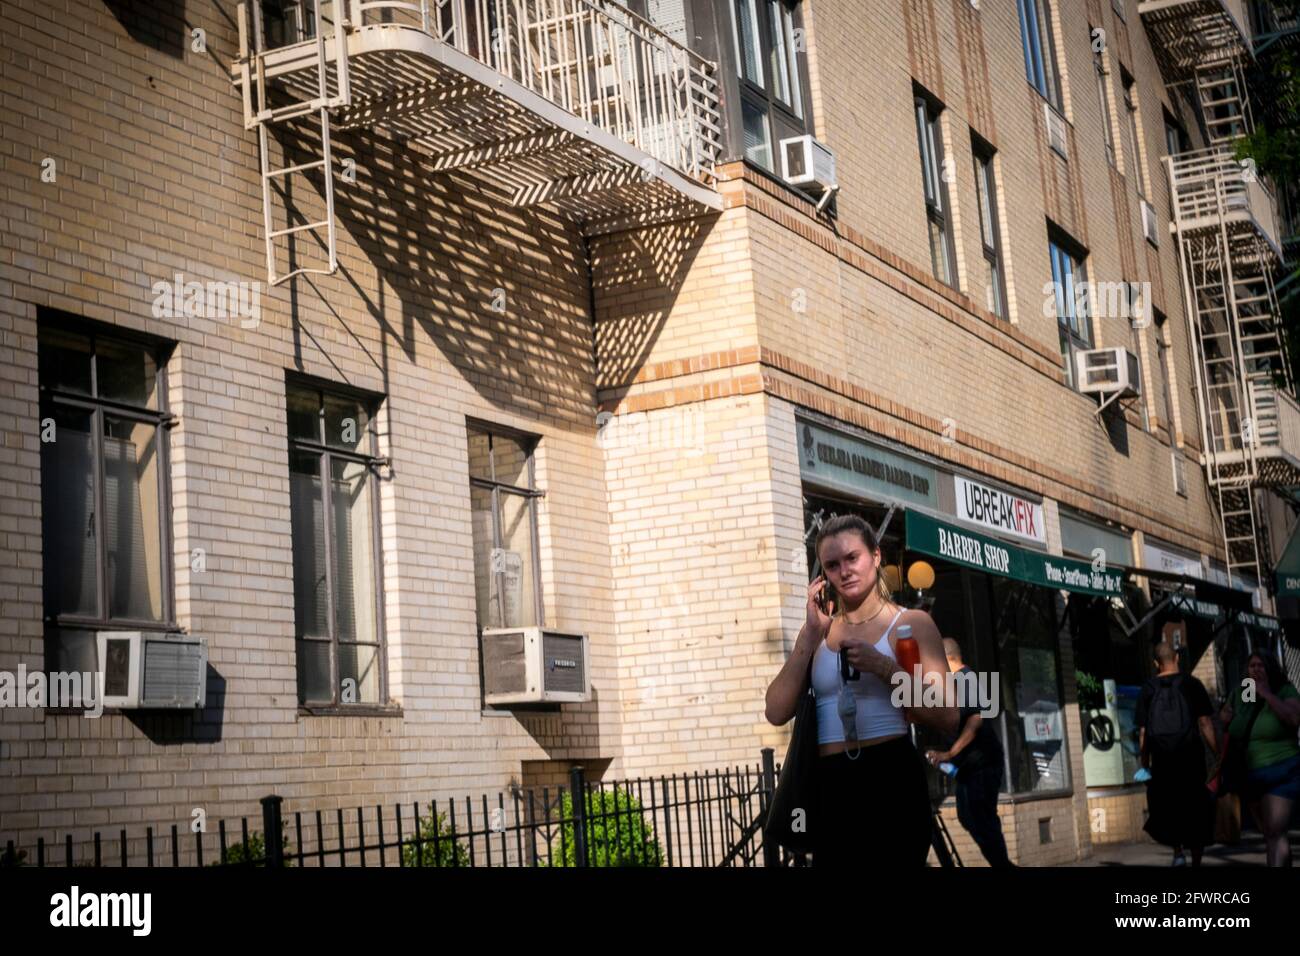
[710,818]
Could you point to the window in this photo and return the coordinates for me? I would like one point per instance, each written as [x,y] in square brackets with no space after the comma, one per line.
[767,36]
[929,138]
[1164,395]
[503,501]
[1040,52]
[105,536]
[1073,310]
[1133,131]
[1176,142]
[334,520]
[995,287]
[1103,99]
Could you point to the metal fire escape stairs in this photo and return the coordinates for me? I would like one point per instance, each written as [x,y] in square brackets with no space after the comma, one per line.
[1228,264]
[258,107]
[579,106]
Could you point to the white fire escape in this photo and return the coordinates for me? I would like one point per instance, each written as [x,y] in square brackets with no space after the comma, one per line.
[1224,220]
[577,105]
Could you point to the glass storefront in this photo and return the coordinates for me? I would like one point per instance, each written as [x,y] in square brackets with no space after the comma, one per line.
[1111,665]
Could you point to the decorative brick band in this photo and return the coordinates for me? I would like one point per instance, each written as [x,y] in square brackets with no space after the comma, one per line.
[873,412]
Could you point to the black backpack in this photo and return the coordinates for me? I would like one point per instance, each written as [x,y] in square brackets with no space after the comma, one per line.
[1169,720]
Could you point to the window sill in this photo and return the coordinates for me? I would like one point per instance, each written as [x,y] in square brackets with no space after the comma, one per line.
[351,710]
[793,191]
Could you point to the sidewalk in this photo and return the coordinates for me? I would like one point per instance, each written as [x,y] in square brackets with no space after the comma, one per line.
[1249,851]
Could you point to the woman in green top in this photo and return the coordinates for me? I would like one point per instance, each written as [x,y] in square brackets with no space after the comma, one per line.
[1272,754]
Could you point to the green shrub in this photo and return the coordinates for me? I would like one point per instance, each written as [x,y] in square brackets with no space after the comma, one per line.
[449,852]
[1091,693]
[617,833]
[254,854]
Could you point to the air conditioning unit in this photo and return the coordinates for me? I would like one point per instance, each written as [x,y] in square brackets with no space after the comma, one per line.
[1107,372]
[532,665]
[1150,228]
[808,164]
[1056,136]
[144,670]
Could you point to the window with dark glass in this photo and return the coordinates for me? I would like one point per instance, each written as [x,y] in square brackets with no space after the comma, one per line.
[1073,309]
[1176,142]
[995,286]
[929,139]
[334,519]
[1040,49]
[105,533]
[1103,99]
[1133,131]
[503,507]
[767,35]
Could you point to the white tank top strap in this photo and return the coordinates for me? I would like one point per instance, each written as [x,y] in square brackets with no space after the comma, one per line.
[889,630]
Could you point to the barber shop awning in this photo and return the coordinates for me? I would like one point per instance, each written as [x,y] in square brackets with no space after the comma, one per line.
[970,549]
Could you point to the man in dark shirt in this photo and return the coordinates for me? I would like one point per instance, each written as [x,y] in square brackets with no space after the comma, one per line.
[977,755]
[1174,731]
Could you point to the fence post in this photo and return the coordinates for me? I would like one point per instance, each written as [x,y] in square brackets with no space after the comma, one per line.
[578,797]
[771,852]
[271,834]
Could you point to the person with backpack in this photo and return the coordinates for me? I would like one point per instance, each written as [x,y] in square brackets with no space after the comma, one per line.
[1174,730]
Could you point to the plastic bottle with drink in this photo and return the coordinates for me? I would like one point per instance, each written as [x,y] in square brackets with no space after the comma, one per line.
[908,652]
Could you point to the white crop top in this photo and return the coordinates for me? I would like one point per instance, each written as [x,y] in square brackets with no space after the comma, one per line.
[876,716]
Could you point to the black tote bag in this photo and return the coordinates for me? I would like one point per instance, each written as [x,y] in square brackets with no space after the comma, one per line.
[796,789]
[1232,775]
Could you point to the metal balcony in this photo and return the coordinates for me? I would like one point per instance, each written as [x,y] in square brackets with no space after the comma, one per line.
[577,105]
[1277,439]
[1213,190]
[1188,34]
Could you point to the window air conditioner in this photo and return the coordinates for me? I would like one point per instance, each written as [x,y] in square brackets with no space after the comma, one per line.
[146,670]
[1056,137]
[1107,372]
[808,164]
[530,665]
[1150,228]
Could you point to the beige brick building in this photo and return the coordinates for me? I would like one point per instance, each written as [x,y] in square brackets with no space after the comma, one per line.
[587,400]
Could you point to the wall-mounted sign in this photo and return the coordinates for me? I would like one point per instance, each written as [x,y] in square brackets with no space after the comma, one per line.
[1085,538]
[860,468]
[974,550]
[1162,559]
[999,510]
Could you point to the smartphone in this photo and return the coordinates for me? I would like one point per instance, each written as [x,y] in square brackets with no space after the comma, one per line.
[826,596]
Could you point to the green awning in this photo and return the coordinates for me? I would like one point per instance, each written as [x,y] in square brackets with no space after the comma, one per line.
[970,549]
[1288,567]
[1214,612]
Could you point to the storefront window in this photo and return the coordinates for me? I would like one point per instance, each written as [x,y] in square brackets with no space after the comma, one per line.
[1110,668]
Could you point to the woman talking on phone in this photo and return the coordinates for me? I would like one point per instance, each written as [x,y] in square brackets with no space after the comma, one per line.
[873,801]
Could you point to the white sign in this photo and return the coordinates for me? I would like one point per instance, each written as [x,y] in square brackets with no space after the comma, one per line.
[1002,512]
[1158,559]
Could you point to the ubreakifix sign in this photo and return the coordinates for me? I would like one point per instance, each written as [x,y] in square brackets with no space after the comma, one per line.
[974,550]
[1003,512]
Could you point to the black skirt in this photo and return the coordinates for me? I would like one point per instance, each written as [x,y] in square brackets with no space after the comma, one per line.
[873,811]
[1180,809]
